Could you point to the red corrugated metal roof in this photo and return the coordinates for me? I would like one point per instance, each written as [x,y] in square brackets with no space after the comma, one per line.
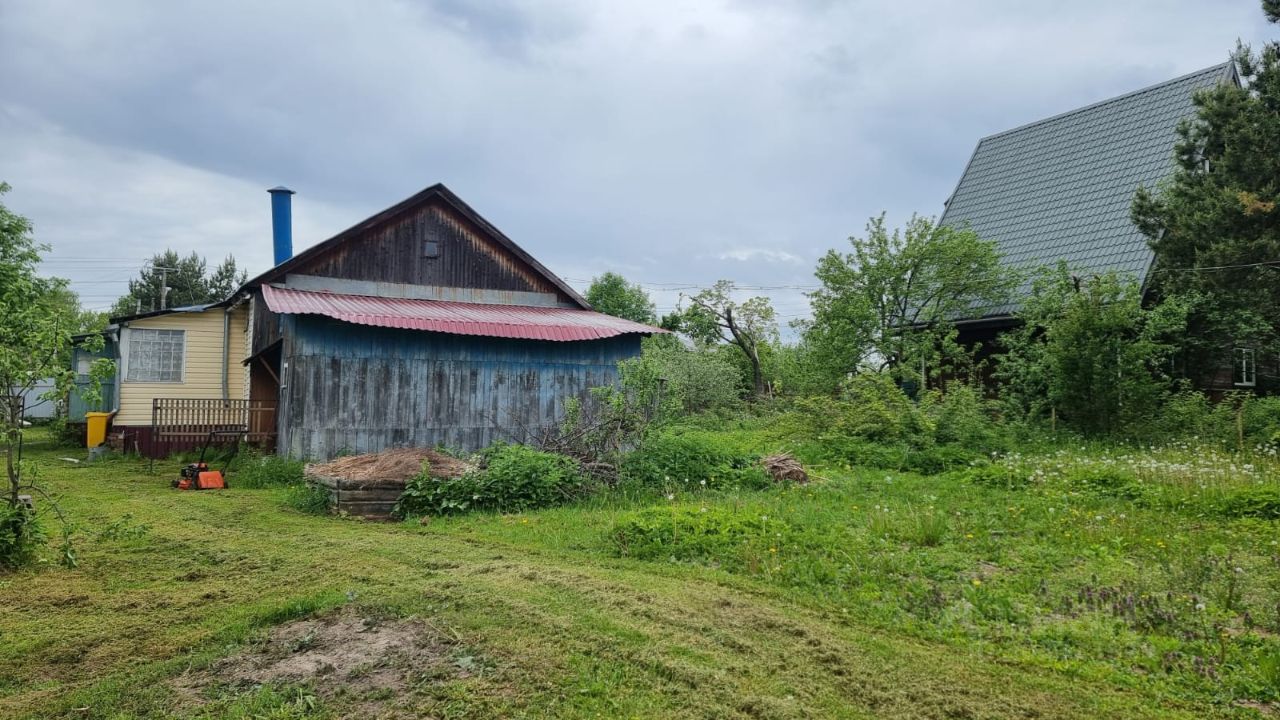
[506,321]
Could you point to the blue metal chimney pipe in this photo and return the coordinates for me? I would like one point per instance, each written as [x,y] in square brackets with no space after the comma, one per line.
[282,222]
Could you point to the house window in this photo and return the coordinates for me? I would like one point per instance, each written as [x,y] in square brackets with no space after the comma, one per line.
[430,248]
[155,355]
[1245,371]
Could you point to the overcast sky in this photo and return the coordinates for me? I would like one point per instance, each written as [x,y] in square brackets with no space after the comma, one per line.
[674,142]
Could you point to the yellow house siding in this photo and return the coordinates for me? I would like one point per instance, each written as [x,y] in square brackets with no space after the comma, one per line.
[202,362]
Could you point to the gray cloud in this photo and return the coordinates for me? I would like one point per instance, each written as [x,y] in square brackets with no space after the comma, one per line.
[648,138]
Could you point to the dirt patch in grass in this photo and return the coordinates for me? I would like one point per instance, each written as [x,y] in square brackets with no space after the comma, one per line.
[363,659]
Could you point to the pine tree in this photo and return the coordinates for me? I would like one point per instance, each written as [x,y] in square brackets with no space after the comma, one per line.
[1215,226]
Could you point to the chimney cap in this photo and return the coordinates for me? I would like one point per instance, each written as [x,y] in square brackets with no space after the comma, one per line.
[281,189]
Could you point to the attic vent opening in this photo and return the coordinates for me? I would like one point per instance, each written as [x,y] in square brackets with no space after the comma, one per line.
[430,248]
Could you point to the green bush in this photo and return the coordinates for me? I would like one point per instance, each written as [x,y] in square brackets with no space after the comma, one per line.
[269,471]
[941,458]
[961,416]
[20,536]
[1191,414]
[840,450]
[1260,502]
[1105,481]
[512,478]
[870,407]
[308,498]
[697,457]
[997,476]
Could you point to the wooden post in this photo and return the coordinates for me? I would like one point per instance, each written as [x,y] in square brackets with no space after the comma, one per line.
[1053,421]
[1240,425]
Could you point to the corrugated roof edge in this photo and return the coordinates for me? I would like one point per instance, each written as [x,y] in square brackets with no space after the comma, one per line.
[170,311]
[1227,68]
[438,190]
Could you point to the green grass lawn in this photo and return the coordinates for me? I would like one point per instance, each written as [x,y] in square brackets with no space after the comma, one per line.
[865,594]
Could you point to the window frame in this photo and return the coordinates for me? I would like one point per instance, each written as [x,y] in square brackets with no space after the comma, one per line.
[1244,367]
[131,366]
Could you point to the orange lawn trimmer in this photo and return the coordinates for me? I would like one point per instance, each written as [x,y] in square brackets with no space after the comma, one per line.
[198,476]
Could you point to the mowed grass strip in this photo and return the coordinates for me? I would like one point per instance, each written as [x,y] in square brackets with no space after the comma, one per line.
[555,622]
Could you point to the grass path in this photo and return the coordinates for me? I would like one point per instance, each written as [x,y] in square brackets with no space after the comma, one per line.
[558,632]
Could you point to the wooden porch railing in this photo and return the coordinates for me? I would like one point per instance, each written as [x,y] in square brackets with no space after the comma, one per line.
[180,423]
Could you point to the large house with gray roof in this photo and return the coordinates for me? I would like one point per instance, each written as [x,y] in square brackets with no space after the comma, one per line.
[1060,189]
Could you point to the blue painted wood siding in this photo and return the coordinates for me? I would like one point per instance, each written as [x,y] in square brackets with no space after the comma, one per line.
[353,388]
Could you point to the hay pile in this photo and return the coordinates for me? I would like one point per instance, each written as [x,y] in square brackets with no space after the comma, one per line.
[784,468]
[395,464]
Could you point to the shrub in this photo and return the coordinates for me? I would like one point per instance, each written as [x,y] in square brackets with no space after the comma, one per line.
[308,497]
[513,478]
[997,476]
[941,458]
[835,450]
[20,535]
[1260,502]
[1105,481]
[269,471]
[961,416]
[695,457]
[870,407]
[681,381]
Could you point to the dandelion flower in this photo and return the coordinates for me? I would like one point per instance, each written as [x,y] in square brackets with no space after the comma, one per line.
[977,582]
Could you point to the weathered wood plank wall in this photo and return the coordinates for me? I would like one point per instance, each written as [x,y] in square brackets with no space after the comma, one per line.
[352,388]
[397,252]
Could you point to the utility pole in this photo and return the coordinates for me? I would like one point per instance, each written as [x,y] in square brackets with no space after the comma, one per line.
[164,285]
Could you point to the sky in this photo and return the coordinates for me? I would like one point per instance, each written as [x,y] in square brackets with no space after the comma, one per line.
[676,143]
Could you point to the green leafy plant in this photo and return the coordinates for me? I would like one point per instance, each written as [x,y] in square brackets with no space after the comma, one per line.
[269,471]
[309,498]
[694,457]
[1259,502]
[512,478]
[721,535]
[1105,481]
[997,475]
[21,534]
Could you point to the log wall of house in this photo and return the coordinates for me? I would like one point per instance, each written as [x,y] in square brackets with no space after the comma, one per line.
[354,388]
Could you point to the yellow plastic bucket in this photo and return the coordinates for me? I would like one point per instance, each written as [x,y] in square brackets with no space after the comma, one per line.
[96,430]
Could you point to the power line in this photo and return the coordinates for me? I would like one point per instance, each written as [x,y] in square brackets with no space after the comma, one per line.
[1264,263]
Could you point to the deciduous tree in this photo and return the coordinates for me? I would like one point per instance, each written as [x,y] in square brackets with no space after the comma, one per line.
[714,316]
[611,294]
[891,302]
[35,330]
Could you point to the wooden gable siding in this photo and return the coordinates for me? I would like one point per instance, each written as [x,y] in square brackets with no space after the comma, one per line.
[266,324]
[361,389]
[393,252]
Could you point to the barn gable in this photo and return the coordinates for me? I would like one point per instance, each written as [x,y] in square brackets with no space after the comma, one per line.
[430,246]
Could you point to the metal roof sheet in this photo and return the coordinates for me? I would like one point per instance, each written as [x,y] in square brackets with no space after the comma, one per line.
[1060,188]
[505,321]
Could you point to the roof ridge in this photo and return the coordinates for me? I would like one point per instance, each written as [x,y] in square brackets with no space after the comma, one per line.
[1220,67]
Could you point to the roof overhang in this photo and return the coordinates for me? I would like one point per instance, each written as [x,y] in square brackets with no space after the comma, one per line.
[519,322]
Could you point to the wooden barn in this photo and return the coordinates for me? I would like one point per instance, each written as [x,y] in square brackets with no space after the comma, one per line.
[423,325]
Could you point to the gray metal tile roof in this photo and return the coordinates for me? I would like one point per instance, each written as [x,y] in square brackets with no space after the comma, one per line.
[1060,188]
